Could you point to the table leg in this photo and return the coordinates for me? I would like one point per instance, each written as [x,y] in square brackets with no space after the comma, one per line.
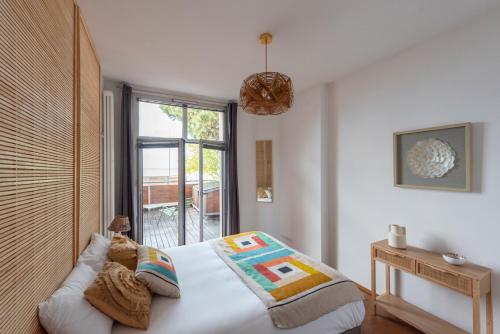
[476,302]
[489,311]
[387,279]
[374,281]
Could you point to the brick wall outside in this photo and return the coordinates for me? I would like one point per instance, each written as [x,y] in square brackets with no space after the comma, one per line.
[169,193]
[164,193]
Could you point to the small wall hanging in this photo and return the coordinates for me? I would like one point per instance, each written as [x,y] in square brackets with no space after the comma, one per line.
[434,158]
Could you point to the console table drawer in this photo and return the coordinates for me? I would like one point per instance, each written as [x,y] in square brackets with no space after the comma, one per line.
[446,278]
[395,260]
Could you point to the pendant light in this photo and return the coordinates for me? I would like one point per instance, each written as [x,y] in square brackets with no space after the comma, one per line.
[266,93]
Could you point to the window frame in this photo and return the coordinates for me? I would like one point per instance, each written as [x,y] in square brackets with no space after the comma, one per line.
[142,142]
[218,144]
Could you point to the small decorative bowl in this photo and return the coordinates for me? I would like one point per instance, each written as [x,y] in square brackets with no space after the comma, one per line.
[455,259]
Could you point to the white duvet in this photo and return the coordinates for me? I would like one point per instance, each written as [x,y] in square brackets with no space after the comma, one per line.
[214,300]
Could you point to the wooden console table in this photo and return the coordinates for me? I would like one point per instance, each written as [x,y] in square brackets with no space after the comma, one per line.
[469,279]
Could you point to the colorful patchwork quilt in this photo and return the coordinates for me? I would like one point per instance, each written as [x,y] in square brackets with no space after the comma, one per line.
[295,288]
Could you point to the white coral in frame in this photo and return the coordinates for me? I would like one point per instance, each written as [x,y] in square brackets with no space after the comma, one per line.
[430,158]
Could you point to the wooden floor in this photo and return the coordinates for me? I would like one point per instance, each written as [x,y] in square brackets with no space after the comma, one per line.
[380,325]
[161,231]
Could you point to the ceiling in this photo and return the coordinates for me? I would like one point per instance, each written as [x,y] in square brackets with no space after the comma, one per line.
[208,47]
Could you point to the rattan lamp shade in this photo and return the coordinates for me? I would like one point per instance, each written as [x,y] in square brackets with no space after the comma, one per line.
[120,224]
[266,93]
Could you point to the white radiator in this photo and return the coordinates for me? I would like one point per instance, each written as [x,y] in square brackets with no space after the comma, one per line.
[109,162]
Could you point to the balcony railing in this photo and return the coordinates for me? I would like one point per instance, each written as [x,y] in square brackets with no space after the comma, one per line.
[160,213]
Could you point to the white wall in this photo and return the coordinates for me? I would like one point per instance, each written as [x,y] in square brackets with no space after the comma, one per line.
[303,212]
[298,214]
[453,78]
[253,215]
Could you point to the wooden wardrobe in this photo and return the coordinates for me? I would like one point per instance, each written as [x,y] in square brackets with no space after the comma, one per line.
[50,152]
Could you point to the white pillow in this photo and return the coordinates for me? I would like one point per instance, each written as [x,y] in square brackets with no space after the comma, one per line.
[96,253]
[68,312]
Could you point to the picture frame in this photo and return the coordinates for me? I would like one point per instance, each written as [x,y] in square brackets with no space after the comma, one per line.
[454,166]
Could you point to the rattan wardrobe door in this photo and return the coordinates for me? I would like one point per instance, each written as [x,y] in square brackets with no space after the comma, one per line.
[36,156]
[90,139]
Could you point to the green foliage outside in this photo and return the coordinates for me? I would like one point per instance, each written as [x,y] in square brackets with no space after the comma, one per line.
[202,124]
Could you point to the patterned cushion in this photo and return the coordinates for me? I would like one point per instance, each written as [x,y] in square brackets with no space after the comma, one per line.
[156,270]
[124,251]
[119,295]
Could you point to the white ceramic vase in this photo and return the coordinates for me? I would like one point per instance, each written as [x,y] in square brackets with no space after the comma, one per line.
[397,236]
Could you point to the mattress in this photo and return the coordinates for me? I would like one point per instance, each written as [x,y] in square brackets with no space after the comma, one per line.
[214,300]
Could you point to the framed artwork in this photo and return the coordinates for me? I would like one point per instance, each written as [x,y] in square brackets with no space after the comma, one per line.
[434,158]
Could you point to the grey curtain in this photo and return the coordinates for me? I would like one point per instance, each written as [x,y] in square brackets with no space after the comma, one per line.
[232,209]
[127,188]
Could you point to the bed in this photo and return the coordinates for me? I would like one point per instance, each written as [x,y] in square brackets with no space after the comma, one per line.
[215,300]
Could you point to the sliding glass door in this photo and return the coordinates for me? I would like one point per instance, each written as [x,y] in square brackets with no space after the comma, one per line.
[212,162]
[181,201]
[161,177]
[192,193]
